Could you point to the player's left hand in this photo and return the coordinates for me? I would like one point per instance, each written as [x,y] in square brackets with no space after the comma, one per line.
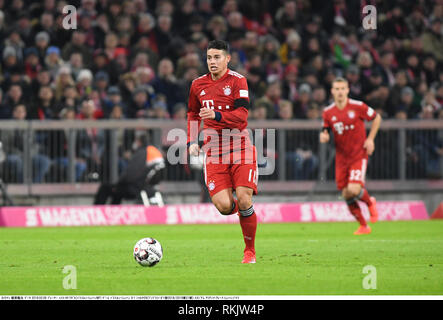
[369,146]
[206,113]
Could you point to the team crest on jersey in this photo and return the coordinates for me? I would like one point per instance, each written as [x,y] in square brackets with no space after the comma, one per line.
[351,114]
[211,185]
[334,118]
[227,90]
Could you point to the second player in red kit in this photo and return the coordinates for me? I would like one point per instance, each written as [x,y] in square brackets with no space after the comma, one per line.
[345,118]
[221,99]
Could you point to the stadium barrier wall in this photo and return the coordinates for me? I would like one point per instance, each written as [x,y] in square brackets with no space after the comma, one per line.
[56,216]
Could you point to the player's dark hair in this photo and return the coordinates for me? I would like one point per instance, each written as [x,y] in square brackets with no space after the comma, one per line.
[219,45]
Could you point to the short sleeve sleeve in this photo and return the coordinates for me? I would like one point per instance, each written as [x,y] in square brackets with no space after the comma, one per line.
[367,113]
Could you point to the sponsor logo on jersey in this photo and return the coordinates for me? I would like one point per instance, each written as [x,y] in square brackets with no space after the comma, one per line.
[244,94]
[202,93]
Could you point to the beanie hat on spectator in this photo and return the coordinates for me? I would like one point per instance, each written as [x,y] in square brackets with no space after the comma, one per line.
[159,104]
[29,51]
[9,51]
[305,88]
[101,76]
[290,68]
[84,74]
[407,90]
[113,90]
[42,36]
[53,49]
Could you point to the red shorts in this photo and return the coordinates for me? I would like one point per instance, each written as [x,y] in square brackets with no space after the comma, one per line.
[230,174]
[355,172]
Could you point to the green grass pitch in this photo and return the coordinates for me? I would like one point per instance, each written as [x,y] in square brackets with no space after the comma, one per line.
[292,259]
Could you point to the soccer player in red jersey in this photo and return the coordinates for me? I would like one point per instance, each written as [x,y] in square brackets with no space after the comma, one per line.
[346,118]
[221,99]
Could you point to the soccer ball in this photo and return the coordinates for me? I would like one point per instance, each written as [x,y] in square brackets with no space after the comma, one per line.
[148,252]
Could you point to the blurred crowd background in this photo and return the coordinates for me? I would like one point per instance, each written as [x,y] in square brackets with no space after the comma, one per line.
[137,58]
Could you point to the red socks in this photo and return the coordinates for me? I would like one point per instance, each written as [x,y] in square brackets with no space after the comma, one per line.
[364,196]
[248,223]
[356,211]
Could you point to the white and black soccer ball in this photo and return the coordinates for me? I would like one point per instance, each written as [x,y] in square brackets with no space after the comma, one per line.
[148,252]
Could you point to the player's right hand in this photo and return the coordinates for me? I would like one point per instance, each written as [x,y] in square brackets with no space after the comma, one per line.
[194,149]
[324,137]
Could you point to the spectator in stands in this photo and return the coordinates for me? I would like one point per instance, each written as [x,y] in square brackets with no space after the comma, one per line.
[140,103]
[271,98]
[32,63]
[84,82]
[166,83]
[180,111]
[217,27]
[63,80]
[53,61]
[285,110]
[355,87]
[289,86]
[89,142]
[429,66]
[302,102]
[15,42]
[77,44]
[76,64]
[428,147]
[44,108]
[163,36]
[13,97]
[56,147]
[395,26]
[14,142]
[159,109]
[70,100]
[42,41]
[123,138]
[387,68]
[256,84]
[407,103]
[112,99]
[433,39]
[101,83]
[10,61]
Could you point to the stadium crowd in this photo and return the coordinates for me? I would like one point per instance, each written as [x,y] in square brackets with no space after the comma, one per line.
[140,56]
[137,58]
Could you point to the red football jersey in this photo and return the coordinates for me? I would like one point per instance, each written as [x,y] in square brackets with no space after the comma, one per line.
[348,126]
[227,96]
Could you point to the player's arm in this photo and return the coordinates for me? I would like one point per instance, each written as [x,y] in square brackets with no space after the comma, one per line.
[194,121]
[239,115]
[230,119]
[324,133]
[369,142]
